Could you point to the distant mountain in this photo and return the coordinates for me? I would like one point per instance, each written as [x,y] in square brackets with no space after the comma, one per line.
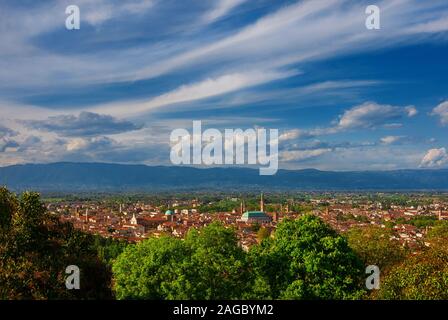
[116,177]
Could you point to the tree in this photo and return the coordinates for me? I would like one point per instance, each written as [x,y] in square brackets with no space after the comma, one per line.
[263,233]
[218,267]
[108,249]
[423,276]
[8,205]
[209,264]
[307,260]
[148,269]
[35,249]
[374,246]
[439,231]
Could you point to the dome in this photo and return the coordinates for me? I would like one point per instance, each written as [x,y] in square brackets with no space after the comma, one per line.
[169,212]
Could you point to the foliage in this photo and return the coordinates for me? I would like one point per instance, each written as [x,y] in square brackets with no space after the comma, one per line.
[147,270]
[35,249]
[209,264]
[263,233]
[224,205]
[439,231]
[108,249]
[418,221]
[374,247]
[423,276]
[306,260]
[218,267]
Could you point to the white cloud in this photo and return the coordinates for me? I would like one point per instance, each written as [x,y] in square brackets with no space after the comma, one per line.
[290,135]
[429,27]
[221,9]
[298,155]
[391,139]
[368,115]
[76,144]
[442,111]
[204,89]
[371,115]
[332,85]
[411,110]
[99,11]
[434,158]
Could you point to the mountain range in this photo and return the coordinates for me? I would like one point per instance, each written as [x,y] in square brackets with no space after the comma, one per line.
[105,177]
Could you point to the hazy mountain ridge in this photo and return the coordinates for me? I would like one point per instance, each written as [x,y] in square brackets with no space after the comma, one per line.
[66,176]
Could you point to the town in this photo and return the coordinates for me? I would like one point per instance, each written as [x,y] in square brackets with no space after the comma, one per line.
[254,216]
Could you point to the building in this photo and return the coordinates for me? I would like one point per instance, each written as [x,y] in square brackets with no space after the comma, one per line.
[169,214]
[134,219]
[256,216]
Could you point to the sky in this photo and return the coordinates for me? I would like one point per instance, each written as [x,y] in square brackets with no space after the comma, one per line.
[342,96]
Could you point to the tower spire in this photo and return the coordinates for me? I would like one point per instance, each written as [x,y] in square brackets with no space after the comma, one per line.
[261,203]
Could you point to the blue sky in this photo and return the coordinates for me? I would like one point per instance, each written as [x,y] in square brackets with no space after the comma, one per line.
[343,97]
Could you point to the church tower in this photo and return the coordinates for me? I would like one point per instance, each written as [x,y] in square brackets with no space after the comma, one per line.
[133,219]
[261,203]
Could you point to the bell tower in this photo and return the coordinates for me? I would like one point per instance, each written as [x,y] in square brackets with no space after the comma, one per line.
[261,203]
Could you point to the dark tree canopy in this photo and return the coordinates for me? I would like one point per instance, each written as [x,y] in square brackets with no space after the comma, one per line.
[35,249]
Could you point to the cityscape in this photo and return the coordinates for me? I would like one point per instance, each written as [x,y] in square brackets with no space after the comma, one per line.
[410,217]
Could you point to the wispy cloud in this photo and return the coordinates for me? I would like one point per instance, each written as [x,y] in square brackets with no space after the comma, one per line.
[207,88]
[369,115]
[86,124]
[221,8]
[442,112]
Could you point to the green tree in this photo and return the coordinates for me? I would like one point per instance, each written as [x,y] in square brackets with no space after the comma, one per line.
[209,264]
[307,260]
[374,246]
[148,269]
[263,233]
[108,249]
[423,276]
[439,232]
[218,267]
